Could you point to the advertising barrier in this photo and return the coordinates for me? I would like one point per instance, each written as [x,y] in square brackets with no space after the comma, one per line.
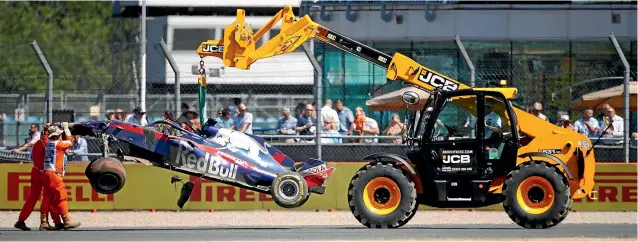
[150,188]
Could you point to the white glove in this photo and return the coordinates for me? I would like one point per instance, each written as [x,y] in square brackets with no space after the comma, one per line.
[65,125]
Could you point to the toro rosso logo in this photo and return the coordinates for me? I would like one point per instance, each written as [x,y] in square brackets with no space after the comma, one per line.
[437,81]
[210,164]
[321,171]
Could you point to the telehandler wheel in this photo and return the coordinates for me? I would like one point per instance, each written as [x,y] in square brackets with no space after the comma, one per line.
[412,213]
[536,195]
[380,195]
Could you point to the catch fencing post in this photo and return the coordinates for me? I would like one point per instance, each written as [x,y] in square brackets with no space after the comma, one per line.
[612,37]
[318,86]
[143,61]
[468,61]
[45,63]
[173,63]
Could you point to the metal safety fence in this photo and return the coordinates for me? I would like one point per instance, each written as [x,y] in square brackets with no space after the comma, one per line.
[88,86]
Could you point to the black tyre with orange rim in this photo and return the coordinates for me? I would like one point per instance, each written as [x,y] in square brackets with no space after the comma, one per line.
[536,195]
[381,195]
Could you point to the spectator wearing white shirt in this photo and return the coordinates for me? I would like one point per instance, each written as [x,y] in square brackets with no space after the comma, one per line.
[329,134]
[80,149]
[537,110]
[243,121]
[601,112]
[493,122]
[587,125]
[34,136]
[617,127]
[138,117]
[365,126]
[286,125]
[327,113]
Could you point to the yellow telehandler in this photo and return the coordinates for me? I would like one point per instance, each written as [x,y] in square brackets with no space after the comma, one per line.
[494,153]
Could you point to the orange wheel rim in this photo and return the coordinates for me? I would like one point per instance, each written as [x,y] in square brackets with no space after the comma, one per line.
[535,195]
[381,195]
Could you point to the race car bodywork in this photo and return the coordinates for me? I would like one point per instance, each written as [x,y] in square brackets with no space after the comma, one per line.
[218,154]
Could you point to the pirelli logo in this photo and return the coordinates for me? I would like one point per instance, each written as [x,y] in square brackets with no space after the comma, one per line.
[437,81]
[77,186]
[614,188]
[210,191]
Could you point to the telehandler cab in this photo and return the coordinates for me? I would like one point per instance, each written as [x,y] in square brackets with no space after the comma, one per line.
[485,151]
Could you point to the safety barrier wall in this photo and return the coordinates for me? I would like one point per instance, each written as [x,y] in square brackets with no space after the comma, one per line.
[150,188]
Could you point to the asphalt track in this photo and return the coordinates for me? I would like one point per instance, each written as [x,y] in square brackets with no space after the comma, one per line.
[322,233]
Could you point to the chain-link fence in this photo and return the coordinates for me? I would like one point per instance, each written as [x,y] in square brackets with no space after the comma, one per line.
[98,81]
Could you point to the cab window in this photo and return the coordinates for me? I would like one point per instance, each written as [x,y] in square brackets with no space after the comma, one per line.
[457,119]
[496,119]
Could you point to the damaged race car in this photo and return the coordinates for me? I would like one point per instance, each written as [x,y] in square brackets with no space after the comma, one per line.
[218,154]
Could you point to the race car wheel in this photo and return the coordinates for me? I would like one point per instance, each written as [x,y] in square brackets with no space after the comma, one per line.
[536,195]
[106,175]
[289,190]
[381,195]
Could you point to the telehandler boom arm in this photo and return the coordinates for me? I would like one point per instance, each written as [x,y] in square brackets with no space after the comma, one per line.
[239,43]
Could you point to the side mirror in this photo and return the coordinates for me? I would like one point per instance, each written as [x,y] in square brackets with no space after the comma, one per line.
[410,97]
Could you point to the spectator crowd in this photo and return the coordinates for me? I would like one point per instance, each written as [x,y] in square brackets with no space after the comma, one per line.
[339,124]
[591,126]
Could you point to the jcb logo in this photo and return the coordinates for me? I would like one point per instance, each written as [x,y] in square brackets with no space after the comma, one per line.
[213,48]
[438,81]
[456,159]
[332,37]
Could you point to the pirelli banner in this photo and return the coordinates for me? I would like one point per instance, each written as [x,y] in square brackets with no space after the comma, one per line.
[150,188]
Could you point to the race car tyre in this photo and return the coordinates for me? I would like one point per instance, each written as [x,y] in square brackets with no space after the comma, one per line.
[106,175]
[289,190]
[381,195]
[536,195]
